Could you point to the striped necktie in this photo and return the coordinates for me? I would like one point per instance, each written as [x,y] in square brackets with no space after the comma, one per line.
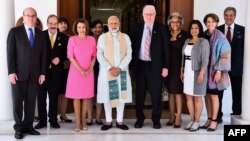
[147,56]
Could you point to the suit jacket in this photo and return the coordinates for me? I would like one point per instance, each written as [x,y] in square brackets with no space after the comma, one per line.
[26,62]
[59,50]
[237,48]
[159,47]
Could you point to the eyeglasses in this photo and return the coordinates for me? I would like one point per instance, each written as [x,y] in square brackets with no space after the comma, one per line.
[30,16]
[175,22]
[149,14]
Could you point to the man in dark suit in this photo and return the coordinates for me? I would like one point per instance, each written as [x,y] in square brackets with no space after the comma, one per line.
[150,56]
[56,44]
[26,58]
[235,34]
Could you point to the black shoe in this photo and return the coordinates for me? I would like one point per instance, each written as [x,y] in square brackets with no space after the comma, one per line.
[54,125]
[156,125]
[18,135]
[40,125]
[99,122]
[138,124]
[106,127]
[90,123]
[235,114]
[219,121]
[209,129]
[32,131]
[65,119]
[122,126]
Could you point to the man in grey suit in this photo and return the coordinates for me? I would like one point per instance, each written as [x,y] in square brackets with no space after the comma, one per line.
[26,58]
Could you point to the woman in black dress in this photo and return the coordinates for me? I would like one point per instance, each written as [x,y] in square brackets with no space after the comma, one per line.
[177,37]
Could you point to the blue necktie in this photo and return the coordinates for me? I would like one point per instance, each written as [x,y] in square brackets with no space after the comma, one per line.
[31,37]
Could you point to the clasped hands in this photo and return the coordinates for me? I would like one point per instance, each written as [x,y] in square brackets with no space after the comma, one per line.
[87,72]
[115,71]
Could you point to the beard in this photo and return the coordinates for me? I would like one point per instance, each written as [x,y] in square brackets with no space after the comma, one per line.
[114,30]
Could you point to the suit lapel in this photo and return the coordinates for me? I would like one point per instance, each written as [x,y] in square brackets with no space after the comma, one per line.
[236,32]
[57,41]
[154,31]
[26,37]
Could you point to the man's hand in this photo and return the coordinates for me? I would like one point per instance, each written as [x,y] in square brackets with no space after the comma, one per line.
[13,78]
[56,61]
[164,72]
[115,71]
[41,79]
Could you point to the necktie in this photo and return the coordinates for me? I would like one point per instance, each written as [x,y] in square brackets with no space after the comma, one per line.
[229,34]
[147,44]
[31,37]
[51,38]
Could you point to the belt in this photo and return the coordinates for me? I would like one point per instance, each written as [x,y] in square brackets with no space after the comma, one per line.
[187,57]
[144,61]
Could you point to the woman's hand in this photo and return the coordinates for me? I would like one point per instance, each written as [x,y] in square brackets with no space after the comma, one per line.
[200,78]
[217,76]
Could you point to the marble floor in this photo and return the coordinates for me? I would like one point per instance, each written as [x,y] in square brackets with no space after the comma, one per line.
[147,133]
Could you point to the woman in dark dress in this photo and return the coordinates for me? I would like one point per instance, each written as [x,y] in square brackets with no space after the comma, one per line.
[96,30]
[63,26]
[174,83]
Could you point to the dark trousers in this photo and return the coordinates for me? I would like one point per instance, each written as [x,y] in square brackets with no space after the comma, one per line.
[146,79]
[50,88]
[236,84]
[220,113]
[24,100]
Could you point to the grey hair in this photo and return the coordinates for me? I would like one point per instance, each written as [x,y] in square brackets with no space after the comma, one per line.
[175,14]
[113,17]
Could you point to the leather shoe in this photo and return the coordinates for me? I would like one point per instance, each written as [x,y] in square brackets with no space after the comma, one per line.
[40,125]
[106,127]
[65,119]
[219,121]
[122,126]
[156,125]
[32,131]
[138,124]
[18,135]
[54,125]
[99,122]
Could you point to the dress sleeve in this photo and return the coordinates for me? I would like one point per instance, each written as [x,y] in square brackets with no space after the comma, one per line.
[70,48]
[94,48]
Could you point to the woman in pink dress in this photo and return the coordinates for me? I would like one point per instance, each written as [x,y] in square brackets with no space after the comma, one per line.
[80,83]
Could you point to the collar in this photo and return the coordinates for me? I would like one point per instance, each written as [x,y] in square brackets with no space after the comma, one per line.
[54,34]
[27,28]
[151,26]
[232,26]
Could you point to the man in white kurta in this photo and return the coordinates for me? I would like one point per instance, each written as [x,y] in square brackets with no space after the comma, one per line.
[114,54]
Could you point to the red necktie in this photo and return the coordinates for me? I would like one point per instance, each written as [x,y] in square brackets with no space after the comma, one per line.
[147,44]
[229,34]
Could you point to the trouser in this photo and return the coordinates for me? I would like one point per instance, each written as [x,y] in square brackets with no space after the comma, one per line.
[119,112]
[24,100]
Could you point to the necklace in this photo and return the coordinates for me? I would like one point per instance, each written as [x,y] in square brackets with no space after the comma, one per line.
[175,33]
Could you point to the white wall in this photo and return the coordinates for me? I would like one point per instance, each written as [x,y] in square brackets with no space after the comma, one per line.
[203,7]
[43,8]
